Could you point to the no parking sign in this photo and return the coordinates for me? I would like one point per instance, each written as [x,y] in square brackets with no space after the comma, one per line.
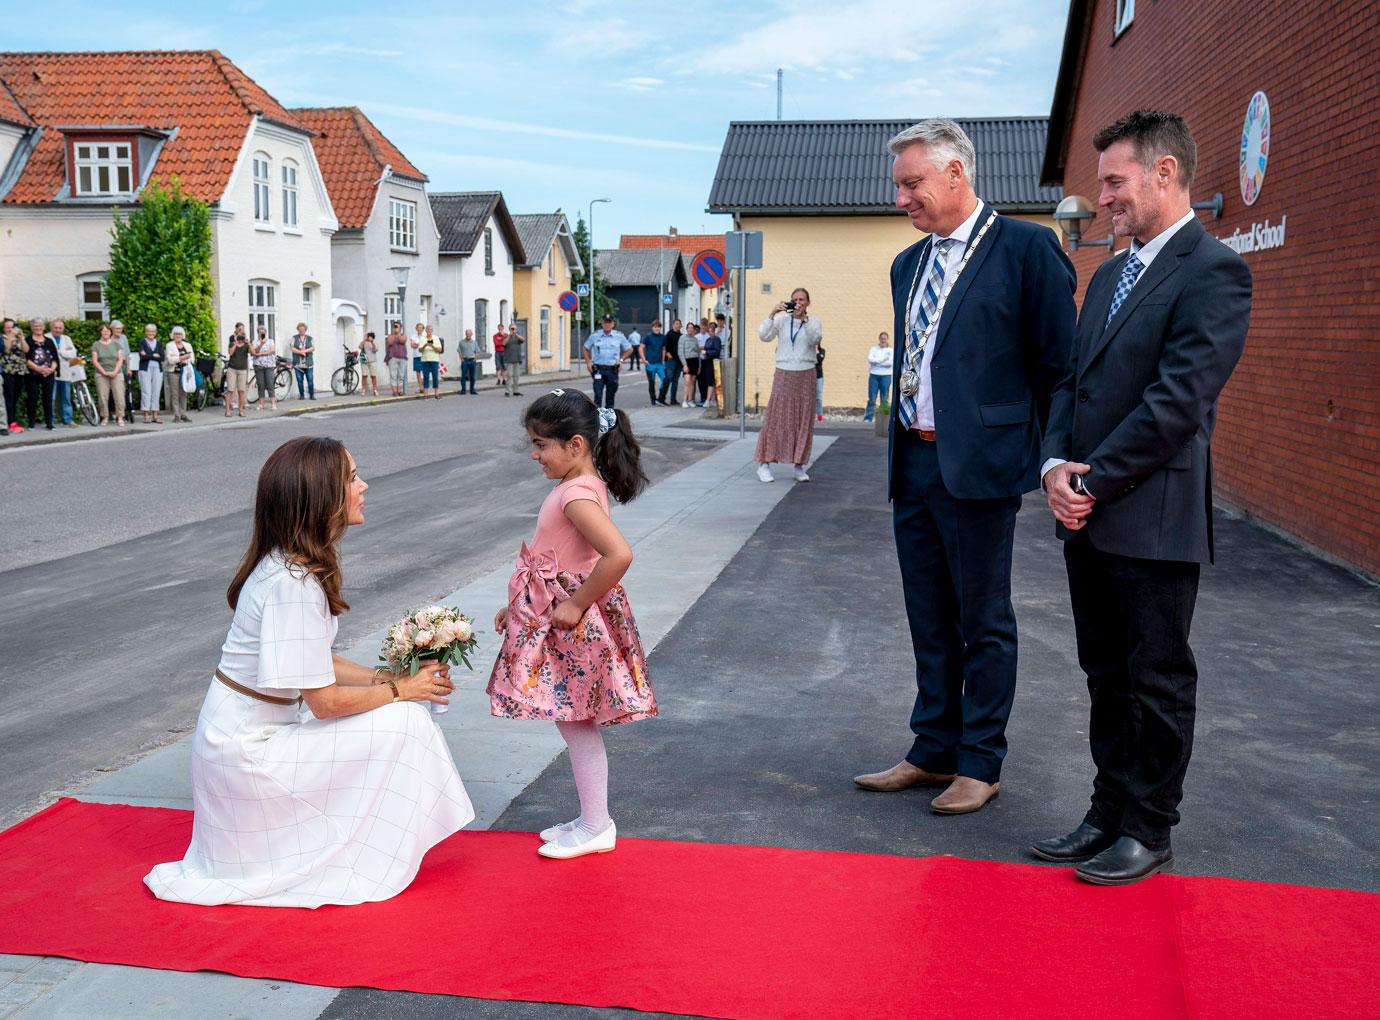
[568,301]
[708,269]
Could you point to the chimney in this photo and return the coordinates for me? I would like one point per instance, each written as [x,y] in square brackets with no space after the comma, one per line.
[673,232]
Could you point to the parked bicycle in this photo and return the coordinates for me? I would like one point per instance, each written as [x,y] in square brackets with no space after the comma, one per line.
[210,381]
[345,380]
[83,403]
[282,382]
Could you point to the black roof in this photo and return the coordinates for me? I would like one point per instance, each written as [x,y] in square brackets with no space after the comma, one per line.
[641,267]
[842,167]
[461,215]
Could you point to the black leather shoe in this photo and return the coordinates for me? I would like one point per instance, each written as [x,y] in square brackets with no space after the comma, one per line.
[1125,861]
[1083,843]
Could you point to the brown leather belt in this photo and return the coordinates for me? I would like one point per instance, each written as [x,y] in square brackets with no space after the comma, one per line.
[251,693]
[926,434]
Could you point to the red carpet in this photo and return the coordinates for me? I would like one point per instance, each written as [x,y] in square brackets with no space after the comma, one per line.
[725,931]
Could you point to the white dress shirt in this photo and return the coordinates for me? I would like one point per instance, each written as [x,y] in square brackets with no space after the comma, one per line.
[924,399]
[1146,253]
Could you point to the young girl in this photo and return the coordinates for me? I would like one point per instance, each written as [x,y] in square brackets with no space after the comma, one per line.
[571,652]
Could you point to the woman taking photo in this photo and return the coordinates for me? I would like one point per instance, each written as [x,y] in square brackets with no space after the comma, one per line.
[788,424]
[314,780]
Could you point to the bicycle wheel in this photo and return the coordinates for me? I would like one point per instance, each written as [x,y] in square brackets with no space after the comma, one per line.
[81,397]
[251,391]
[341,382]
[282,385]
[202,395]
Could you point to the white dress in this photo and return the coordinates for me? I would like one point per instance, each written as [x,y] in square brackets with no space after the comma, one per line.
[295,811]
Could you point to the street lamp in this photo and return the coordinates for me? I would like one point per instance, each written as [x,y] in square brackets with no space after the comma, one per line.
[590,311]
[400,274]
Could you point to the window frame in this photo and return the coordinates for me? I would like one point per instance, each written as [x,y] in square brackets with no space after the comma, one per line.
[544,329]
[262,314]
[481,319]
[1124,14]
[402,224]
[551,265]
[289,191]
[85,307]
[76,162]
[392,310]
[262,187]
[488,251]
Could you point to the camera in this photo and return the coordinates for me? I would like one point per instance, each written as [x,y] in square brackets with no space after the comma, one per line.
[790,305]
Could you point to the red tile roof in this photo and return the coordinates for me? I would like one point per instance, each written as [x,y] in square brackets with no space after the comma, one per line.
[352,153]
[690,244]
[201,93]
[10,110]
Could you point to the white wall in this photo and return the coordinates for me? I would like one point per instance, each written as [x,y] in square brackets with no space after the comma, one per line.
[42,252]
[290,257]
[463,281]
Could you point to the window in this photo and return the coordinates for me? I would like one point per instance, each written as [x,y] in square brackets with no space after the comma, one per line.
[262,183]
[1125,13]
[551,265]
[503,316]
[545,330]
[392,311]
[308,303]
[402,224]
[289,193]
[489,251]
[91,297]
[263,307]
[481,320]
[103,167]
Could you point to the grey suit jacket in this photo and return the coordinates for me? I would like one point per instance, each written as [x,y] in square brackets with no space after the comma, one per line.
[1139,400]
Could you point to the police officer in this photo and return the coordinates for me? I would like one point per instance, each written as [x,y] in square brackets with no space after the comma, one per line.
[604,355]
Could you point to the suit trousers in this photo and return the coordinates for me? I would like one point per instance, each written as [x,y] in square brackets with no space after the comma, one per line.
[955,557]
[1132,617]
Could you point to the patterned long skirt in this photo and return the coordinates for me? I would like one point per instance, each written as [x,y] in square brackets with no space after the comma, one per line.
[788,425]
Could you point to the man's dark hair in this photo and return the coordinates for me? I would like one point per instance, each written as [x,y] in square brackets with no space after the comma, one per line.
[370,336]
[1154,134]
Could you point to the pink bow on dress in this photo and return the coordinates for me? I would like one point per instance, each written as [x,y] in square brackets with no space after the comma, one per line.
[535,573]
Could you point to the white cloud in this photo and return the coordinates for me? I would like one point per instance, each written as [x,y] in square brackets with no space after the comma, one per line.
[642,84]
[458,120]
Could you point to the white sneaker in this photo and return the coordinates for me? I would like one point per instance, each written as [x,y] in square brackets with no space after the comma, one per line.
[685,403]
[576,844]
[799,474]
[764,473]
[547,835]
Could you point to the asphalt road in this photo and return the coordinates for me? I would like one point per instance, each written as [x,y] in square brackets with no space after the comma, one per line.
[114,568]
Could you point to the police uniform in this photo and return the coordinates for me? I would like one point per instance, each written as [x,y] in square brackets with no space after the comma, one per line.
[606,352]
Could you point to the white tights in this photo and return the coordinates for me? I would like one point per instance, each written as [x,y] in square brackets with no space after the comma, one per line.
[590,764]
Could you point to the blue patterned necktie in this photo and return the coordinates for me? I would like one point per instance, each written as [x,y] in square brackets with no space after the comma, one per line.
[1130,272]
[909,405]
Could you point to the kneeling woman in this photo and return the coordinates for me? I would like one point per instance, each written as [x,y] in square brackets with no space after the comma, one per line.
[314,780]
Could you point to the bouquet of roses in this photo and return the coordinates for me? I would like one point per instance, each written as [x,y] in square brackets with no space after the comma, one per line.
[440,633]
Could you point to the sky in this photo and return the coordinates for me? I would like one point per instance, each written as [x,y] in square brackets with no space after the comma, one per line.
[556,104]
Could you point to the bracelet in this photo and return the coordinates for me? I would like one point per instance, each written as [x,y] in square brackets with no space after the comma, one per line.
[393,684]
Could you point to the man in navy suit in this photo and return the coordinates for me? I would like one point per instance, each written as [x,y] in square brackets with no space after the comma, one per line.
[984,319]
[1128,475]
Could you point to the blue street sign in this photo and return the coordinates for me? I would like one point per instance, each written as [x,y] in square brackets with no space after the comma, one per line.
[667,300]
[582,289]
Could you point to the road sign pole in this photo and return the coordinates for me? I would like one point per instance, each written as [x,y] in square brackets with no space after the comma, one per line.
[741,337]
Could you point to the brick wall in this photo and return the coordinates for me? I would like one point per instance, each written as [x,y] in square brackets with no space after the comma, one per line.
[1298,437]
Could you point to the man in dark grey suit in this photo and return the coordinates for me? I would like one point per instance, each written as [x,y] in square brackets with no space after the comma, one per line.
[1128,475]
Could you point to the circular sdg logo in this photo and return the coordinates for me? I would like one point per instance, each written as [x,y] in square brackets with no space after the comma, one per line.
[1255,147]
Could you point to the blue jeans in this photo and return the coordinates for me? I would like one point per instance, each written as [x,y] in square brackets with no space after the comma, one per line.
[431,375]
[62,398]
[878,389]
[469,374]
[306,376]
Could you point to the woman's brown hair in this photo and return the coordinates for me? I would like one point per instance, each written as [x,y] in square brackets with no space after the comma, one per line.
[300,512]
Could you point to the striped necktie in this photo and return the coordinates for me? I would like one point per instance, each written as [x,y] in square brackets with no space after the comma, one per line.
[908,407]
[1130,272]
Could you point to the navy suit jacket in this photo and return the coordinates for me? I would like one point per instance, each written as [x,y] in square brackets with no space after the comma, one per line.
[1001,347]
[1138,402]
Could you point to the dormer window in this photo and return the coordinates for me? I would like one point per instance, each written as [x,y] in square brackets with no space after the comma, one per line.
[103,167]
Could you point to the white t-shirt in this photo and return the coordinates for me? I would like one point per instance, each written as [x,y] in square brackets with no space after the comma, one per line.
[280,638]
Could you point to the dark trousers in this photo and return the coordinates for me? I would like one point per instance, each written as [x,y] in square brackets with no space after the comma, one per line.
[671,382]
[14,385]
[39,389]
[306,379]
[469,374]
[605,385]
[955,557]
[1132,617]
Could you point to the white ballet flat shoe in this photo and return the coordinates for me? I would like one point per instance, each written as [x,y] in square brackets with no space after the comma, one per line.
[548,834]
[562,850]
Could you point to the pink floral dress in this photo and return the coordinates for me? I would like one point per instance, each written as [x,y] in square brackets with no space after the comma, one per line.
[594,671]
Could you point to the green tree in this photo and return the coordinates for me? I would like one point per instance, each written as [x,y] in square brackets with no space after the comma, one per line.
[160,266]
[603,304]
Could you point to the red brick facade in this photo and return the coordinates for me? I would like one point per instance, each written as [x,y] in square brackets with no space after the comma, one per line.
[1298,436]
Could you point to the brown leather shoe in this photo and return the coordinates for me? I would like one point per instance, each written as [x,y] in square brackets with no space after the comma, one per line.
[901,776]
[964,796]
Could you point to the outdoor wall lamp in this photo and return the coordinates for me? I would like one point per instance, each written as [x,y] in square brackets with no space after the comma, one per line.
[1213,205]
[1070,214]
